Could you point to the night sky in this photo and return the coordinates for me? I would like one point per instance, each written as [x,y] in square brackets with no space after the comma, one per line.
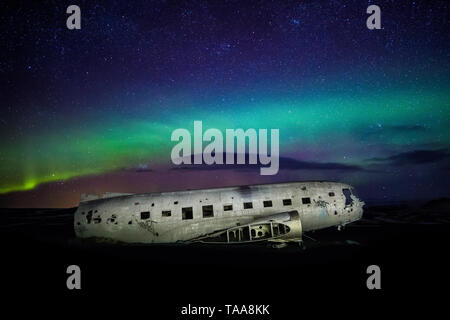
[92,110]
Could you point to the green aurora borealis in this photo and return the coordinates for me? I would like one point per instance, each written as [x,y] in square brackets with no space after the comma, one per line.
[344,128]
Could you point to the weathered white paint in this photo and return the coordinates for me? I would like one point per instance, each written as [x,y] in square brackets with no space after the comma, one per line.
[118,216]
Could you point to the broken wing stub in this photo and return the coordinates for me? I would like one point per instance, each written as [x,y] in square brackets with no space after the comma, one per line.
[280,227]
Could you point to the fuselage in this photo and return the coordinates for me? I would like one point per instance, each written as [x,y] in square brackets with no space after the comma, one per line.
[169,217]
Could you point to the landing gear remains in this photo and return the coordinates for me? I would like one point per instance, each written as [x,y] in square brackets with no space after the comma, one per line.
[279,245]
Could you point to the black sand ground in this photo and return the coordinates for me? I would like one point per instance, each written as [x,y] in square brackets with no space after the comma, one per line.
[409,243]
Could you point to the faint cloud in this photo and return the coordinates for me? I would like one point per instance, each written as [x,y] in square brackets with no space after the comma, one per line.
[414,157]
[286,163]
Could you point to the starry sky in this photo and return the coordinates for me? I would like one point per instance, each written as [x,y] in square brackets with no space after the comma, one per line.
[92,110]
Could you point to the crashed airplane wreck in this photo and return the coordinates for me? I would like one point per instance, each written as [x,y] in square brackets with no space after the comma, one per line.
[277,213]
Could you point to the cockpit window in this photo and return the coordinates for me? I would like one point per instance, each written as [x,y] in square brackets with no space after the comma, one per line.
[348,197]
[354,193]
